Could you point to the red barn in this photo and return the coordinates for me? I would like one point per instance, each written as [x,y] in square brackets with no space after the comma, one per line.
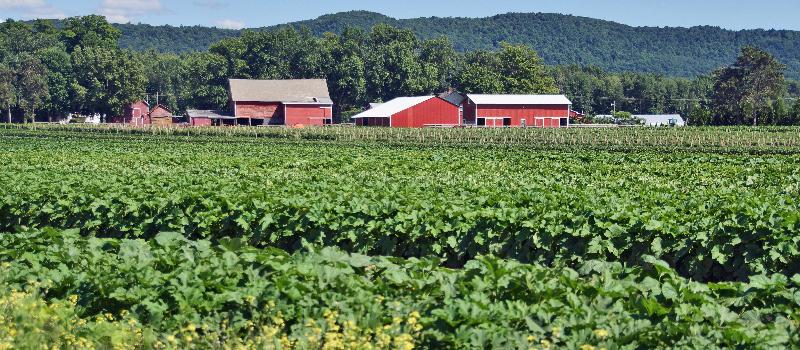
[544,111]
[411,112]
[161,116]
[207,117]
[136,113]
[280,102]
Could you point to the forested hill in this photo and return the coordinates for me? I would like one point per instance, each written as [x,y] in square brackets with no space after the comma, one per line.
[560,39]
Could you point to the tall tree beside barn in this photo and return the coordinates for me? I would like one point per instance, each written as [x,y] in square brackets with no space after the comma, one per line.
[205,81]
[345,71]
[165,73]
[439,59]
[393,64]
[524,71]
[478,73]
[515,69]
[112,79]
[744,91]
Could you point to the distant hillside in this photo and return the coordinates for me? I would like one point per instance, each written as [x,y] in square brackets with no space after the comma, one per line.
[560,39]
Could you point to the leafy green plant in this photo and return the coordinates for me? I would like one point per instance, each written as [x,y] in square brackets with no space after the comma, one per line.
[710,216]
[179,288]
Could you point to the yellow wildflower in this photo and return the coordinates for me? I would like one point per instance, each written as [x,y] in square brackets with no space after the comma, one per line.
[601,333]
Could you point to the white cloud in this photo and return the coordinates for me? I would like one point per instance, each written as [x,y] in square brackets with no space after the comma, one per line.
[229,24]
[123,11]
[32,8]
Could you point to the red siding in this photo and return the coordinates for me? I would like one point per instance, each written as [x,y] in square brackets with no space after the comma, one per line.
[296,114]
[201,121]
[531,113]
[136,113]
[307,114]
[431,112]
[257,110]
[160,116]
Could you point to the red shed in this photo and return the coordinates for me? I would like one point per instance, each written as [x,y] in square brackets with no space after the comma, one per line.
[544,111]
[281,102]
[206,117]
[136,113]
[411,112]
[161,116]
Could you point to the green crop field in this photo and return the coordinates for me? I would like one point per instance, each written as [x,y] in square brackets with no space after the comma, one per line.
[344,238]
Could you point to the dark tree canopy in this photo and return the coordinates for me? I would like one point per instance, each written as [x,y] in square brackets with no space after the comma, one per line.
[745,91]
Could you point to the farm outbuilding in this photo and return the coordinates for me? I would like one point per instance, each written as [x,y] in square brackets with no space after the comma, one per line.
[161,116]
[545,111]
[136,113]
[411,112]
[207,117]
[280,102]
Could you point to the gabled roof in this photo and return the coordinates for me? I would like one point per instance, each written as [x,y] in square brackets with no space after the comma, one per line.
[392,107]
[519,99]
[162,107]
[312,91]
[453,97]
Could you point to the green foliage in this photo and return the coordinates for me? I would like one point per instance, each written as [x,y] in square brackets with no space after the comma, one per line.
[515,69]
[8,94]
[200,289]
[31,84]
[28,320]
[110,78]
[744,91]
[559,39]
[723,217]
[89,31]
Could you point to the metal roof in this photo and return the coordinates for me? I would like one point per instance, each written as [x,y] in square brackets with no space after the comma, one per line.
[661,119]
[201,113]
[519,99]
[392,107]
[311,91]
[454,97]
[653,119]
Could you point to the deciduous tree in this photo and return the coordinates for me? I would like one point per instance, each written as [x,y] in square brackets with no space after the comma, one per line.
[8,95]
[744,90]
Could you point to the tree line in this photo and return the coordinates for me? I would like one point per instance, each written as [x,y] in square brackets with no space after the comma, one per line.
[79,68]
[559,39]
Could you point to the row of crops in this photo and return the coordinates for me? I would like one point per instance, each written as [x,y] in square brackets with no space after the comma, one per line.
[712,217]
[708,139]
[169,292]
[304,238]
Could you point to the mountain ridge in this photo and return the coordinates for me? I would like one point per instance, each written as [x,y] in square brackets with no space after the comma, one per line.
[559,39]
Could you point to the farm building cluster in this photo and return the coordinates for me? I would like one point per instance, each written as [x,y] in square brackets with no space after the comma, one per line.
[301,102]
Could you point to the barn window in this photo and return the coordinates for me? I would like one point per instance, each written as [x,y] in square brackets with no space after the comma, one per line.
[523,123]
[506,121]
[481,121]
[564,121]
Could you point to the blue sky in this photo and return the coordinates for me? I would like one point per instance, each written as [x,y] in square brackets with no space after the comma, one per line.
[732,14]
